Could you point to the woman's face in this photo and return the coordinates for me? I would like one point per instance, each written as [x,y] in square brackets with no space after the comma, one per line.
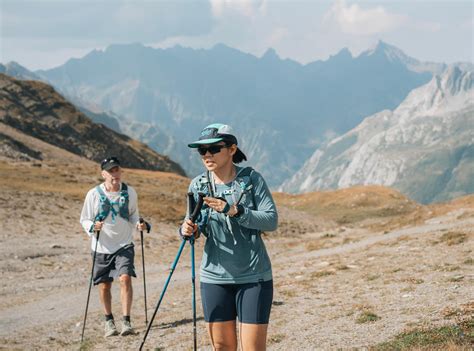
[216,155]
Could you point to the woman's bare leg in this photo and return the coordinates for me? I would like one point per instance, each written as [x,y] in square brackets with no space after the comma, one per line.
[223,335]
[253,337]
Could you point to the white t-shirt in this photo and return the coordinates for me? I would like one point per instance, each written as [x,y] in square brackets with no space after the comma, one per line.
[116,233]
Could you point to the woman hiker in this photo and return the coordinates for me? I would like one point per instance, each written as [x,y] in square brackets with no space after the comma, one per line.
[236,274]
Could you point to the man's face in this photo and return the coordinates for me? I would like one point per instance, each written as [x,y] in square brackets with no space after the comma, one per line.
[113,176]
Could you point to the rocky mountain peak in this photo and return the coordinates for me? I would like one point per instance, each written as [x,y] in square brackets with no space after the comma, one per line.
[446,91]
[390,52]
[341,57]
[270,54]
[14,69]
[454,81]
[429,134]
[36,109]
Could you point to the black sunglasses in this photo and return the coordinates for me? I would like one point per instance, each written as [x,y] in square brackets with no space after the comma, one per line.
[213,149]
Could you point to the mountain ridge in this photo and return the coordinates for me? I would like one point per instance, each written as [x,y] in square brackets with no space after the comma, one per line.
[35,108]
[180,90]
[430,132]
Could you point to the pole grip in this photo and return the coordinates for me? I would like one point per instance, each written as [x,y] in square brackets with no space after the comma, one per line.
[190,204]
[99,219]
[148,225]
[197,208]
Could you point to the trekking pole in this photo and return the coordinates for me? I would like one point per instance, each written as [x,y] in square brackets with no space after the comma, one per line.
[173,266]
[197,208]
[193,218]
[148,227]
[100,219]
[191,205]
[193,277]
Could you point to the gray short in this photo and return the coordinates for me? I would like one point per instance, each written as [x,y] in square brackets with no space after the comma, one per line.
[110,266]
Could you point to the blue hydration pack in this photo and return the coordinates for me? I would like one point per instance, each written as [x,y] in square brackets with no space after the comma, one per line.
[239,185]
[242,185]
[106,206]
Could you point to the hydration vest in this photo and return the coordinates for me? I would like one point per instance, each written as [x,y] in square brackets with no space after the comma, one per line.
[106,206]
[240,184]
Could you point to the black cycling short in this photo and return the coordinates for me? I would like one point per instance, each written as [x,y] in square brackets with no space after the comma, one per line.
[110,266]
[250,302]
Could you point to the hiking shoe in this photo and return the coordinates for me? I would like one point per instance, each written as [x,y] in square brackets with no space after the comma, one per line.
[127,328]
[110,328]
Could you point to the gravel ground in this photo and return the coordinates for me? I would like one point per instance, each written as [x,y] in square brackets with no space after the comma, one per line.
[325,281]
[336,286]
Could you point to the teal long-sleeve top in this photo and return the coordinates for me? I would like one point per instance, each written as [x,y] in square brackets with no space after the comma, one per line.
[234,252]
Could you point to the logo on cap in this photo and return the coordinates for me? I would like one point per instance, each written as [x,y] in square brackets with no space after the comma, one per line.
[208,132]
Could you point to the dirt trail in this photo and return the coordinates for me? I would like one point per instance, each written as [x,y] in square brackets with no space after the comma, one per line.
[64,304]
[60,306]
[54,320]
[374,239]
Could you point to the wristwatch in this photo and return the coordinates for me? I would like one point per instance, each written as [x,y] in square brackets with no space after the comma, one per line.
[240,210]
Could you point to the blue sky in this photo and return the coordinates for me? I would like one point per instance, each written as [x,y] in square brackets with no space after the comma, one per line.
[46,33]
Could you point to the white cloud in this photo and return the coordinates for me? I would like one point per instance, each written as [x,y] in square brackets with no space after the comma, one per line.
[352,19]
[277,36]
[303,30]
[130,14]
[104,22]
[247,8]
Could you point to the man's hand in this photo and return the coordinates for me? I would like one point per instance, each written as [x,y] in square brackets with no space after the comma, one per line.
[98,226]
[141,226]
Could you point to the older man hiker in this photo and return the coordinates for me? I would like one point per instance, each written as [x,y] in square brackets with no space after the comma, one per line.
[111,210]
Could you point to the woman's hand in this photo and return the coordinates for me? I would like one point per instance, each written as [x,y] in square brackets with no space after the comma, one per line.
[188,228]
[217,204]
